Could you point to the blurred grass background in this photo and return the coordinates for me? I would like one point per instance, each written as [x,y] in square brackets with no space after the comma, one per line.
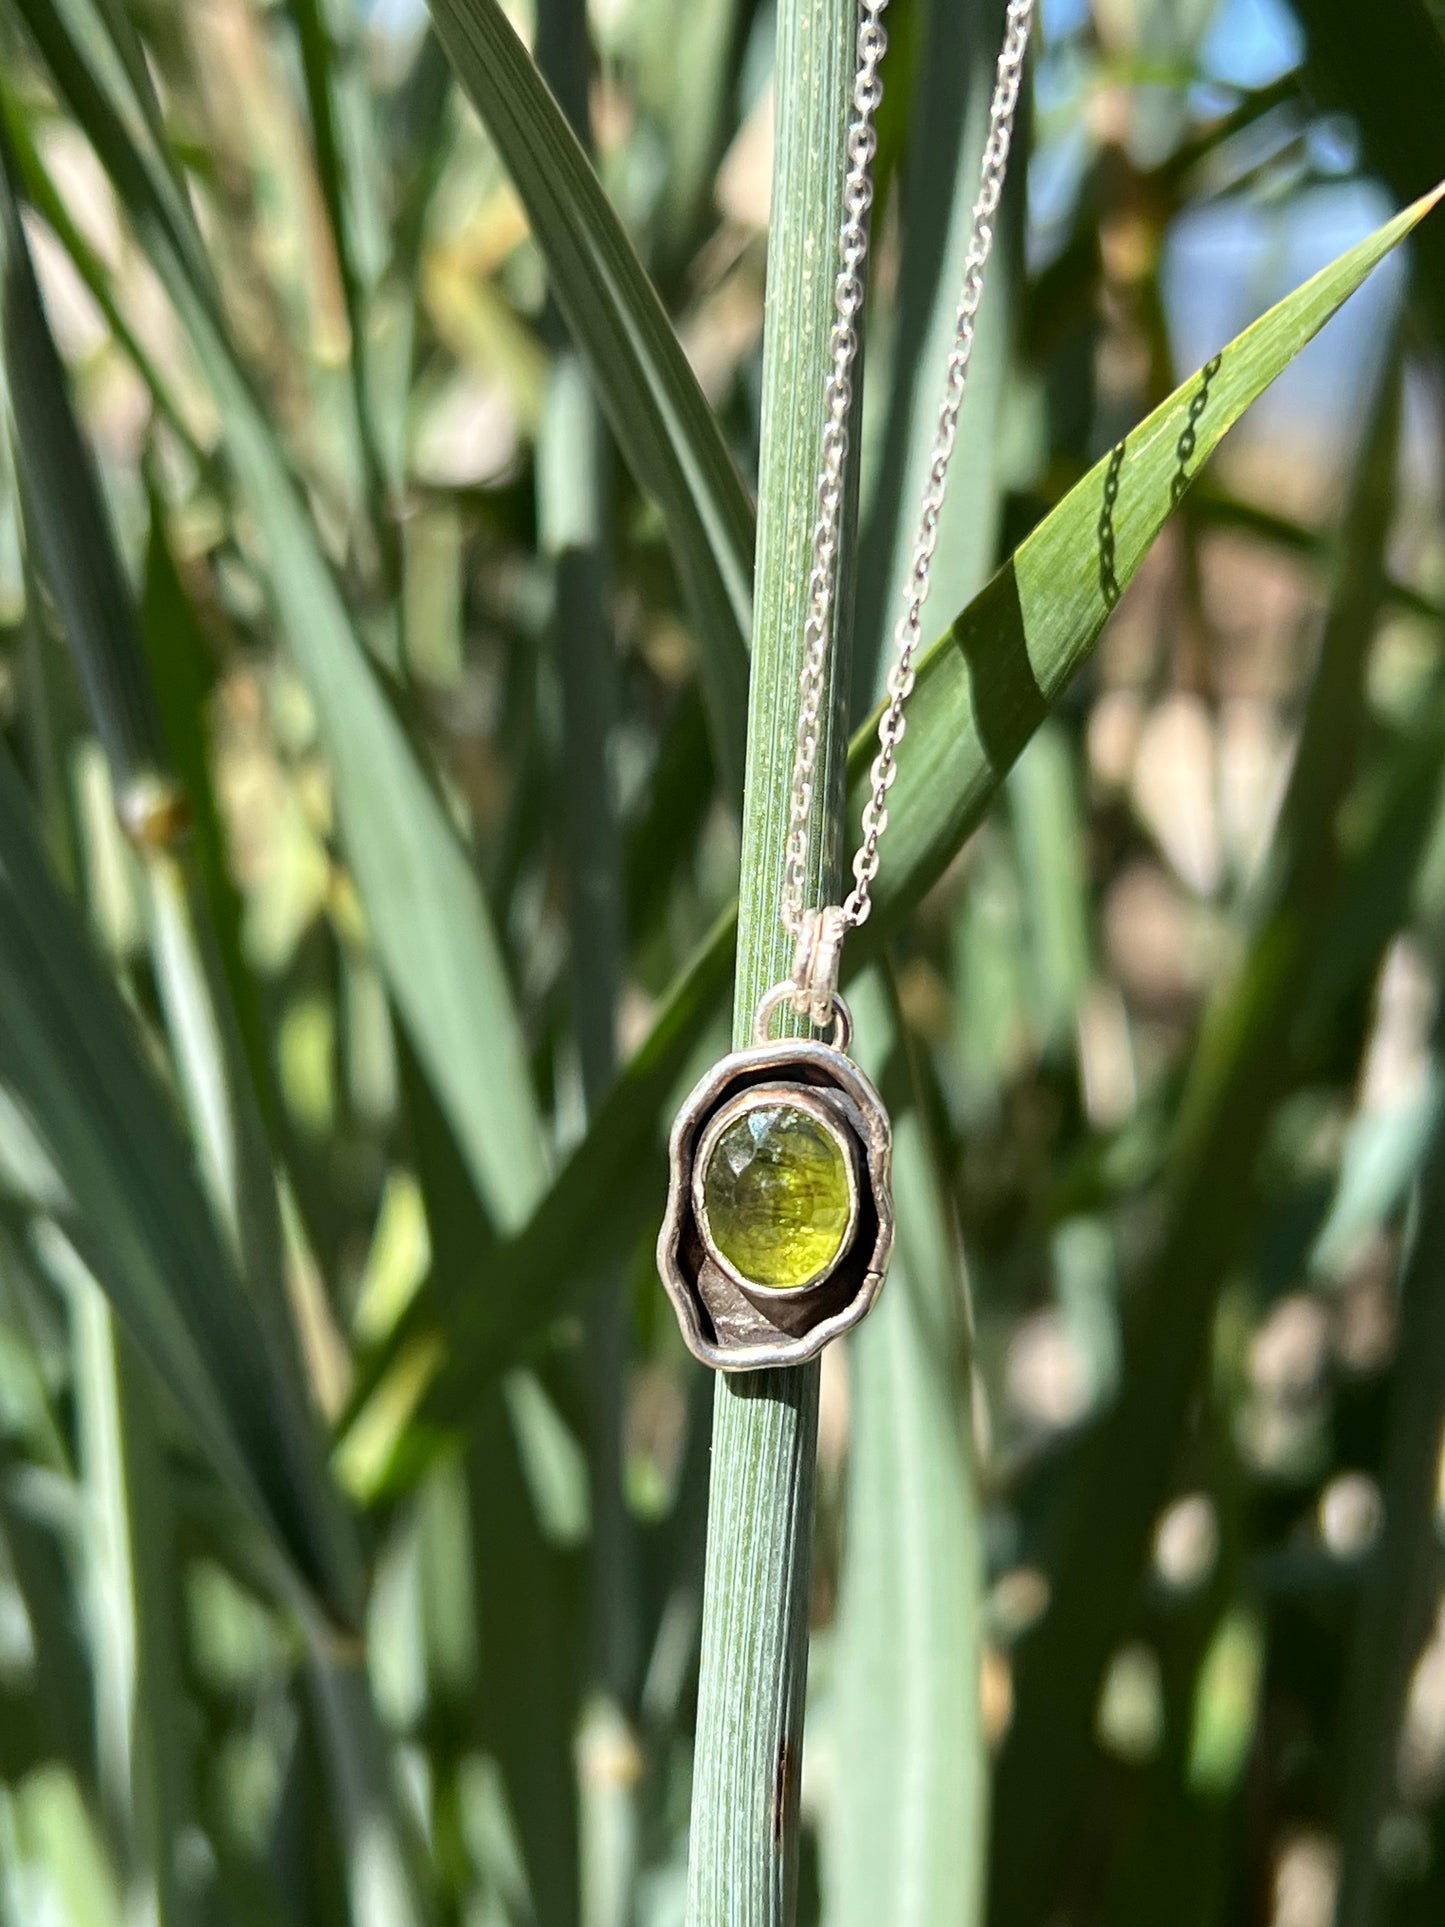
[375,595]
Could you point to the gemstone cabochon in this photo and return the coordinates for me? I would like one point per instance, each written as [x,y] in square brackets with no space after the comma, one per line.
[779,1196]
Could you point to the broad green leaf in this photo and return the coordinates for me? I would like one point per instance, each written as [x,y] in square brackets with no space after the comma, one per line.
[907,1820]
[93,1159]
[656,409]
[425,911]
[982,692]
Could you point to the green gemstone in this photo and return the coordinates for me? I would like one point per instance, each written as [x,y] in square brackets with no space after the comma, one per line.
[778,1196]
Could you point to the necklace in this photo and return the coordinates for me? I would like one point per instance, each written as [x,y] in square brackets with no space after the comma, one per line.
[779,1215]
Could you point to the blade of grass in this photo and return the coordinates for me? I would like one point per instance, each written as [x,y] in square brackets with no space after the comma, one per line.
[54,466]
[94,1156]
[574,467]
[952,85]
[45,197]
[37,1508]
[743,1843]
[1043,797]
[657,411]
[340,109]
[66,519]
[143,1777]
[426,914]
[1255,1047]
[982,692]
[379,1857]
[143,1765]
[1399,1595]
[907,1828]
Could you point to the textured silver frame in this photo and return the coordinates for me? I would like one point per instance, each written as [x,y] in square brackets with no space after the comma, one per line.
[727,1323]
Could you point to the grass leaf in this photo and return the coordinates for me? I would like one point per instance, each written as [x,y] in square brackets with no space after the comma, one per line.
[424,906]
[908,1819]
[656,409]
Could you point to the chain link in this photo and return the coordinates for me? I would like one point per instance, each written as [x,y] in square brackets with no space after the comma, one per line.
[838,394]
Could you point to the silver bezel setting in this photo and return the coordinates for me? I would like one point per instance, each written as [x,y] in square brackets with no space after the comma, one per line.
[757,1097]
[726,1322]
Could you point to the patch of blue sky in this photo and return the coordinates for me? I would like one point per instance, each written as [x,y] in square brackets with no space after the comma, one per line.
[1225,264]
[1251,42]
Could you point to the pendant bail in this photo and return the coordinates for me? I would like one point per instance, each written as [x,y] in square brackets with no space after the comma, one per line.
[816,958]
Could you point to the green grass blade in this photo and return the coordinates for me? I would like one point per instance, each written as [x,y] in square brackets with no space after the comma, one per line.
[340,107]
[946,128]
[1256,1046]
[574,512]
[985,688]
[528,1621]
[93,1151]
[1398,1596]
[64,518]
[657,412]
[745,1833]
[132,1595]
[907,1831]
[45,197]
[1044,807]
[382,1882]
[426,914]
[983,691]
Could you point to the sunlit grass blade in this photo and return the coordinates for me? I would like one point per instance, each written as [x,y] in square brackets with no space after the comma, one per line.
[93,1159]
[1259,1042]
[661,420]
[946,125]
[132,1594]
[380,1857]
[63,517]
[908,1819]
[983,690]
[346,154]
[45,197]
[425,912]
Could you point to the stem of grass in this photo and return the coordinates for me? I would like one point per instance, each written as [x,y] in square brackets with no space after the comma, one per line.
[745,1830]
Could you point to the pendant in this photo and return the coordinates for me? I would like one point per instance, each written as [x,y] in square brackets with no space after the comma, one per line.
[779,1215]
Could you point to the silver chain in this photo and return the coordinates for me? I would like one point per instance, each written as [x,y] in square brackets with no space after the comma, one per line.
[848,294]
